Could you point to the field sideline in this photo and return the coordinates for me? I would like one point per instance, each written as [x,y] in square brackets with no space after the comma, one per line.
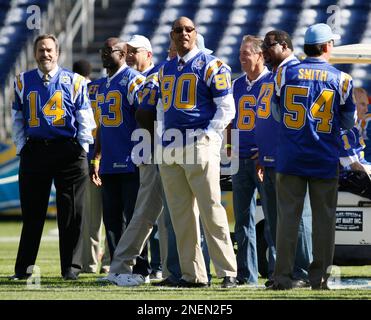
[86,288]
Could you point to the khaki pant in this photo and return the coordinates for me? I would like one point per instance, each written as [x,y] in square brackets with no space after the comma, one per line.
[183,185]
[88,249]
[291,192]
[148,208]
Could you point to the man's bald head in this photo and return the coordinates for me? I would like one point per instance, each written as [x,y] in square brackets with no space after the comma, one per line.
[184,35]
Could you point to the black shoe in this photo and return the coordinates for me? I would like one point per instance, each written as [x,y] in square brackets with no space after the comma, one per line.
[70,275]
[19,276]
[268,283]
[229,282]
[277,286]
[241,282]
[168,282]
[300,284]
[322,286]
[185,284]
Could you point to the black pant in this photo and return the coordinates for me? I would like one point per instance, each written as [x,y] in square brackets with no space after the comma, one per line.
[41,162]
[119,192]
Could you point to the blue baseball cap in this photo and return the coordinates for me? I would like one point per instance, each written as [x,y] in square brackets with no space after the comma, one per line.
[319,33]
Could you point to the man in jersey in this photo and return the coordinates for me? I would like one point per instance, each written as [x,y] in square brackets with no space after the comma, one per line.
[246,90]
[352,156]
[278,52]
[88,249]
[315,100]
[196,95]
[137,233]
[140,58]
[355,171]
[112,166]
[52,124]
[149,201]
[363,118]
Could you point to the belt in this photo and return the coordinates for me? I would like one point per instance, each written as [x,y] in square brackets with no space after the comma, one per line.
[50,141]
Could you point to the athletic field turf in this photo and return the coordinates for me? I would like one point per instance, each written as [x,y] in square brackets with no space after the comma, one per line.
[52,287]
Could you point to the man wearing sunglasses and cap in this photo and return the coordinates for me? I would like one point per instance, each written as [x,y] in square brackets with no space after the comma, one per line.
[315,100]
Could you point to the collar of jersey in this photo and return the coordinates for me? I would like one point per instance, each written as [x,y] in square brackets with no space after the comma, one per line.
[263,73]
[287,60]
[51,73]
[148,69]
[109,79]
[315,60]
[191,54]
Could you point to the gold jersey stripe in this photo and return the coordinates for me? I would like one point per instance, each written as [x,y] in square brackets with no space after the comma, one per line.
[19,83]
[346,84]
[211,69]
[76,87]
[135,84]
[279,77]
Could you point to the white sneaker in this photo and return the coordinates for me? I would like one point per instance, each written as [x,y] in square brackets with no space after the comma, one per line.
[140,279]
[128,280]
[110,277]
[157,275]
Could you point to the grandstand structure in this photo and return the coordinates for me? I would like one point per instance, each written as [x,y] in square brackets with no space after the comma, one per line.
[83,25]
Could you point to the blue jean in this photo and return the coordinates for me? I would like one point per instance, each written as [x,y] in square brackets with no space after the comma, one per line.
[154,248]
[245,185]
[304,247]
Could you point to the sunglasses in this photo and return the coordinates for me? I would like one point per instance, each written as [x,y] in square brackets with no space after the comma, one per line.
[108,51]
[135,51]
[269,45]
[180,29]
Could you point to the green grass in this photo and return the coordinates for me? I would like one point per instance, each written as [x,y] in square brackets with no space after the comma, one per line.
[52,287]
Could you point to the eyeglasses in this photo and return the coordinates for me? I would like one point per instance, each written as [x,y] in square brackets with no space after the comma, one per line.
[180,29]
[135,51]
[269,45]
[108,51]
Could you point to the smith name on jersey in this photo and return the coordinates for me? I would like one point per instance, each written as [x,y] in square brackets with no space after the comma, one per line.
[314,96]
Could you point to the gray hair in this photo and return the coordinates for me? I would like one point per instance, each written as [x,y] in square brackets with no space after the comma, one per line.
[43,37]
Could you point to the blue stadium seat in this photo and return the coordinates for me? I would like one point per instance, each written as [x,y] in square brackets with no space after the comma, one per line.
[216,4]
[250,3]
[288,4]
[14,32]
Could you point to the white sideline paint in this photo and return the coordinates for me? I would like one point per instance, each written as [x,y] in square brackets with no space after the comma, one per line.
[16,239]
[10,179]
[51,236]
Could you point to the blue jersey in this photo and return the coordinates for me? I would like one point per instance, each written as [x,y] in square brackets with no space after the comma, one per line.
[266,131]
[353,145]
[187,93]
[50,110]
[313,94]
[93,87]
[245,96]
[151,91]
[118,100]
